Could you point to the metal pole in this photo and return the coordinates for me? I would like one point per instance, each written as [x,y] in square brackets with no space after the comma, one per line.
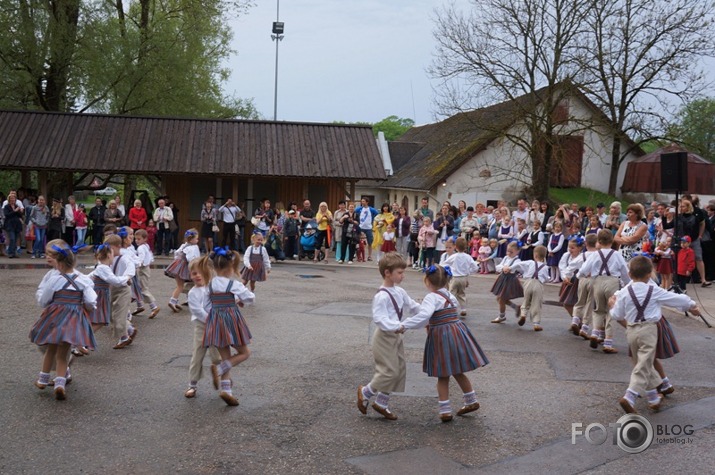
[277,39]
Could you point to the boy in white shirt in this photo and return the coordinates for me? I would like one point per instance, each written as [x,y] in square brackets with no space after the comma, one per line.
[637,307]
[605,267]
[535,273]
[146,257]
[388,309]
[461,265]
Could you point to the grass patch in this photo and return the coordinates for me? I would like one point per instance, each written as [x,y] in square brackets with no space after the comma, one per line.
[583,196]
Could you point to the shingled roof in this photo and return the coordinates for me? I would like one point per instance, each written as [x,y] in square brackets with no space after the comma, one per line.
[446,145]
[159,145]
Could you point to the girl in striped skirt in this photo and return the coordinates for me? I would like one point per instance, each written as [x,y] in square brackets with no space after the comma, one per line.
[66,295]
[179,268]
[570,262]
[507,286]
[225,326]
[257,264]
[450,349]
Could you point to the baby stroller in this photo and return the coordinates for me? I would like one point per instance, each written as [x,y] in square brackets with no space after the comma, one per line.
[307,242]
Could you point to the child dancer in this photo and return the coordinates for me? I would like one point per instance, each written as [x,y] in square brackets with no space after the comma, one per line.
[257,264]
[179,269]
[686,262]
[201,271]
[121,295]
[535,274]
[103,278]
[65,296]
[146,257]
[389,306]
[583,310]
[461,265]
[427,239]
[568,295]
[507,286]
[128,250]
[555,250]
[606,267]
[664,254]
[225,326]
[450,348]
[637,307]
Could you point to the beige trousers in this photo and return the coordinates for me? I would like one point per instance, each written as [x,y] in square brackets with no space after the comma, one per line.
[603,288]
[457,287]
[143,273]
[390,367]
[533,299]
[584,306]
[121,300]
[642,340]
[197,356]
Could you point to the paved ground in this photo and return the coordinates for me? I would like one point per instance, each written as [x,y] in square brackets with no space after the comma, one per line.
[126,411]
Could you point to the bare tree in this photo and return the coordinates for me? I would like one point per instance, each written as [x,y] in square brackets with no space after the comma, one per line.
[522,52]
[645,55]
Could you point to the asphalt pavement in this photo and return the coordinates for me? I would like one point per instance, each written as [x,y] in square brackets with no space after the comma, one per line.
[126,412]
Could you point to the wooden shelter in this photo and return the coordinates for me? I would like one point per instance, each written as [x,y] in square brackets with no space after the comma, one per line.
[245,160]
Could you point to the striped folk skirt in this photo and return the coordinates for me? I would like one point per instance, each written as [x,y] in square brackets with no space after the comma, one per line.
[258,271]
[450,347]
[225,326]
[103,312]
[507,287]
[179,268]
[568,295]
[666,346]
[137,289]
[64,320]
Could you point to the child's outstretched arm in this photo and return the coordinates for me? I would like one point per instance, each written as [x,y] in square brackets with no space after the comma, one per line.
[421,318]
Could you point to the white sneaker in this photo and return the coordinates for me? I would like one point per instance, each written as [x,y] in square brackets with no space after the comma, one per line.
[350,262]
[340,262]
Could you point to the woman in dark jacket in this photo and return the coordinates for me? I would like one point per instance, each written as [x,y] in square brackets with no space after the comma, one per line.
[57,217]
[402,231]
[13,225]
[350,222]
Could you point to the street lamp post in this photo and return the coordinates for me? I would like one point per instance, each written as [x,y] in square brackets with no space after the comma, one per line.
[277,36]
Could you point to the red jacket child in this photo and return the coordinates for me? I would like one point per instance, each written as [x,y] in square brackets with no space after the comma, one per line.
[686,258]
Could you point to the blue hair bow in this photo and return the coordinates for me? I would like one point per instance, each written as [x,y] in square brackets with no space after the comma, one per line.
[647,255]
[223,251]
[76,248]
[447,270]
[122,232]
[578,239]
[431,269]
[61,250]
[452,239]
[102,247]
[189,233]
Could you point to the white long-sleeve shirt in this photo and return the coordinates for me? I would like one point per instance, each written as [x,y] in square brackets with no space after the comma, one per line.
[460,263]
[191,251]
[575,264]
[507,262]
[383,311]
[131,254]
[527,269]
[559,244]
[124,265]
[199,303]
[104,272]
[55,280]
[625,308]
[616,265]
[146,257]
[432,302]
[242,294]
[257,250]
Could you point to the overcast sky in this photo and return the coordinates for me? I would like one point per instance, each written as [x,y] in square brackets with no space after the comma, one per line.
[345,60]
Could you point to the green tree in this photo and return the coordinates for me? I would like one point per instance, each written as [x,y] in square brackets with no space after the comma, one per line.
[140,57]
[695,127]
[393,127]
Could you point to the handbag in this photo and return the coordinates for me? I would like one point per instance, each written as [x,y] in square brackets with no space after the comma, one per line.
[214,228]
